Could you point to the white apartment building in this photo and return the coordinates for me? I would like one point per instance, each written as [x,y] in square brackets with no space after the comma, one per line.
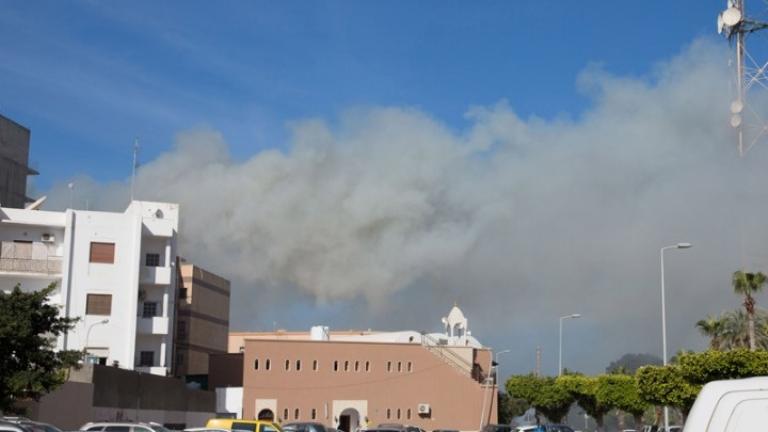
[116,272]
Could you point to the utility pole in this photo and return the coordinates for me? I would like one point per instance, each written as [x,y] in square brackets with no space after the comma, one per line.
[537,371]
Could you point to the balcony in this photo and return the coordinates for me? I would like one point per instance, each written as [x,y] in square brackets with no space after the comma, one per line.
[156,275]
[157,227]
[29,258]
[153,326]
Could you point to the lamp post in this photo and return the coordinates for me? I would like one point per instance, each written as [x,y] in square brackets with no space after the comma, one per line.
[560,362]
[664,316]
[496,360]
[88,333]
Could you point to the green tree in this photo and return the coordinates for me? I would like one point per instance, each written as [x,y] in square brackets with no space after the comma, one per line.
[746,284]
[667,386]
[621,392]
[701,368]
[29,366]
[542,393]
[714,329]
[583,390]
[510,408]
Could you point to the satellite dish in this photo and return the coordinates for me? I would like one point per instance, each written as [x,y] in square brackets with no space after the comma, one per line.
[720,24]
[735,120]
[731,16]
[736,107]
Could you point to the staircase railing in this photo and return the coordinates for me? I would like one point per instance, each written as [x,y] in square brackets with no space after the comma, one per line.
[447,354]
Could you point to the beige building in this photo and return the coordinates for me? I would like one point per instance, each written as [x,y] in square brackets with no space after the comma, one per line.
[202,322]
[356,380]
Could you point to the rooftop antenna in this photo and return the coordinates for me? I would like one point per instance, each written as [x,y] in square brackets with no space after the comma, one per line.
[135,164]
[735,25]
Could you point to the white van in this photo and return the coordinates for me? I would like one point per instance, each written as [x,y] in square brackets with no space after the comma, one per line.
[730,406]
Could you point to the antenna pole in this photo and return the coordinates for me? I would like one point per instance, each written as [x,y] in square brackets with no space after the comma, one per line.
[133,169]
[740,76]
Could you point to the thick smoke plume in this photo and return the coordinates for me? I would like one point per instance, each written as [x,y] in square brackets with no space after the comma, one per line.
[521,220]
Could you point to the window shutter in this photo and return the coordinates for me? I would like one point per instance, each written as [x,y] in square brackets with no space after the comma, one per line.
[102,252]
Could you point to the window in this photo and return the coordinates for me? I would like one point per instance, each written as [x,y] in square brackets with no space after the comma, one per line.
[408,414]
[268,364]
[182,293]
[250,427]
[179,359]
[399,366]
[102,253]
[389,413]
[117,429]
[314,365]
[357,366]
[296,414]
[298,365]
[152,260]
[98,304]
[335,365]
[398,413]
[147,358]
[181,332]
[267,428]
[287,364]
[314,413]
[410,367]
[367,366]
[285,414]
[149,310]
[346,366]
[389,368]
[256,364]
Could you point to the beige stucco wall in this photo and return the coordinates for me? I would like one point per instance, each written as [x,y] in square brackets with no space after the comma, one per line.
[457,401]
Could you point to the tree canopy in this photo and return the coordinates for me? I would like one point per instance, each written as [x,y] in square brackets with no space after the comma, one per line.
[542,393]
[29,366]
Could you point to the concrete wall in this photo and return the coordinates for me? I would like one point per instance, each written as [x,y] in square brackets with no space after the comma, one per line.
[457,401]
[101,393]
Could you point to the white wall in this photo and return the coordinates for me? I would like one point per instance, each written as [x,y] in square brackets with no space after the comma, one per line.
[230,400]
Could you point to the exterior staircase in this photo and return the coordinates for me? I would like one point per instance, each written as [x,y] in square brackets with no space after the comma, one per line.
[446,354]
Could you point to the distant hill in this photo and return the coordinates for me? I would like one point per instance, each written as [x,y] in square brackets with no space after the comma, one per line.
[630,363]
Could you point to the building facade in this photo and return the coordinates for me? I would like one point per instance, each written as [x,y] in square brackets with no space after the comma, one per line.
[14,163]
[357,380]
[202,321]
[114,271]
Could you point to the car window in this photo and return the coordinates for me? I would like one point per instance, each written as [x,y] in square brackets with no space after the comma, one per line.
[117,429]
[251,427]
[268,428]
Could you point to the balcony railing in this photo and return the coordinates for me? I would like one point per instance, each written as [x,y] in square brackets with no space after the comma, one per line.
[50,266]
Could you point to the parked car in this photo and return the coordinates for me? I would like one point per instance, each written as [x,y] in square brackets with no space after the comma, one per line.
[304,427]
[123,427]
[497,428]
[6,426]
[544,428]
[231,424]
[33,426]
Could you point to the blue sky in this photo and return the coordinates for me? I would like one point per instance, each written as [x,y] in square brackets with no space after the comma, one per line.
[88,76]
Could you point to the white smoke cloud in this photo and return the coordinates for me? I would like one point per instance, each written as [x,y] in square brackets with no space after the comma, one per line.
[523,219]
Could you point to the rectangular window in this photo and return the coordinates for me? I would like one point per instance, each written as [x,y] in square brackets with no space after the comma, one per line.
[147,358]
[183,293]
[250,427]
[98,304]
[152,260]
[102,252]
[149,310]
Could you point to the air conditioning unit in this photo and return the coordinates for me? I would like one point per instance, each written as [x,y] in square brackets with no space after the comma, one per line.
[47,238]
[424,408]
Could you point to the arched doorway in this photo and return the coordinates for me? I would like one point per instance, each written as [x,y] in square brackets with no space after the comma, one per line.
[349,420]
[266,414]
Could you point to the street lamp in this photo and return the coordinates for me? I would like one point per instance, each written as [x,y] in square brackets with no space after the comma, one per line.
[88,333]
[496,360]
[664,315]
[560,362]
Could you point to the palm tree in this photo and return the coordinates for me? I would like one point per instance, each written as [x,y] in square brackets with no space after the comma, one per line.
[747,284]
[713,328]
